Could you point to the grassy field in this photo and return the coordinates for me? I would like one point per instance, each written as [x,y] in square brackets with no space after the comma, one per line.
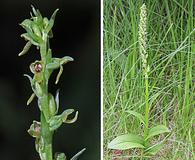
[171,57]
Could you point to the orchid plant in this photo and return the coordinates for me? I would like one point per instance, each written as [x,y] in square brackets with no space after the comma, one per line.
[38,32]
[137,141]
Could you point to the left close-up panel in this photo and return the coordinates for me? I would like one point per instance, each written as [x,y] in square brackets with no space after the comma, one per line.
[50,80]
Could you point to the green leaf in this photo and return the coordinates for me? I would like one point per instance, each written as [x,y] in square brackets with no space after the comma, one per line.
[137,115]
[157,130]
[154,149]
[127,141]
[76,156]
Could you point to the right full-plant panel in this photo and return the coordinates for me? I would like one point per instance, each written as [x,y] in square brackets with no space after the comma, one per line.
[149,80]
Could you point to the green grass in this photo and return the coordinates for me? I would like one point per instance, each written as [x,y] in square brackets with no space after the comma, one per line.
[171,57]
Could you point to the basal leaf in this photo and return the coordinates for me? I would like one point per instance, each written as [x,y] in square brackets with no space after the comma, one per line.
[127,141]
[154,149]
[137,115]
[157,130]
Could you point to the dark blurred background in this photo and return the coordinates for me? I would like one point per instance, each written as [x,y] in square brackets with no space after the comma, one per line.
[77,34]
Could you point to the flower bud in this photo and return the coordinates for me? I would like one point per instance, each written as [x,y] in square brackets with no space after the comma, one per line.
[52,105]
[60,156]
[45,22]
[35,129]
[26,24]
[36,30]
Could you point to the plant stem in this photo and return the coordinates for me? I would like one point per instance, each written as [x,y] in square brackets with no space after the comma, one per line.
[46,134]
[47,138]
[147,107]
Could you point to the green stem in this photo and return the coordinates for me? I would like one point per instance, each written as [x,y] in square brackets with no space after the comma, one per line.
[46,134]
[147,107]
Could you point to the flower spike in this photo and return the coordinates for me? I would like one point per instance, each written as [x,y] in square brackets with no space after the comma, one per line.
[38,32]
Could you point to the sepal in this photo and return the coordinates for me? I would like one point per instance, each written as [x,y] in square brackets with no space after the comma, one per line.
[59,75]
[58,63]
[27,37]
[30,99]
[51,21]
[31,81]
[56,121]
[25,49]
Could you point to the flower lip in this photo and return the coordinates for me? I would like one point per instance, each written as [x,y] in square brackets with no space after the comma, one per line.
[38,67]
